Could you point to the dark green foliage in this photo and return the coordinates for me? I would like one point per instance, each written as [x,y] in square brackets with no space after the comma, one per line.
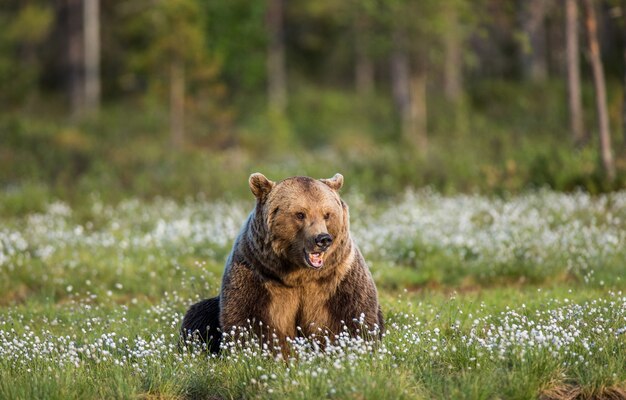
[126,151]
[503,135]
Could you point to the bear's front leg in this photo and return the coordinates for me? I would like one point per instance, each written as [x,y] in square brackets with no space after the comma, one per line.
[246,301]
[356,304]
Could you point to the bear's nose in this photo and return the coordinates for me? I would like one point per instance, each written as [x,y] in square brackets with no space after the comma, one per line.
[323,240]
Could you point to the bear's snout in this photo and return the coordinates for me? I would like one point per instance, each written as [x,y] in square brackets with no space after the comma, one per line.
[323,240]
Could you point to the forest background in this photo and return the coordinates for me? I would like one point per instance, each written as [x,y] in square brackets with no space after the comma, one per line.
[179,97]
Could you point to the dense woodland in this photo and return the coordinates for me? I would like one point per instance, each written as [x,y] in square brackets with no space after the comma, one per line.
[176,97]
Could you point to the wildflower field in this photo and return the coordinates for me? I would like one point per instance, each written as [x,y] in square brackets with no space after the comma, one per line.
[485,298]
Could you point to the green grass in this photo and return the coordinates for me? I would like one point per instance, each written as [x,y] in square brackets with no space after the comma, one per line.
[441,365]
[91,301]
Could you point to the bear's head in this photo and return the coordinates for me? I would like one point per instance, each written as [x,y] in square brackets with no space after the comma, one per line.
[306,221]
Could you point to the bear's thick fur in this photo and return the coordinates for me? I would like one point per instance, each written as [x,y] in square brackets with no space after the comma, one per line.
[294,268]
[203,319]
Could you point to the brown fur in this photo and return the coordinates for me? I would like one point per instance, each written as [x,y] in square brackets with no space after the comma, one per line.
[203,319]
[266,278]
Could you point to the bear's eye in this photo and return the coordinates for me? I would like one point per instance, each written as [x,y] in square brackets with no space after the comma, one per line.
[327,216]
[300,216]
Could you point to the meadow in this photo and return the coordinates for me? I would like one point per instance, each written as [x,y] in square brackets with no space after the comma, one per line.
[485,297]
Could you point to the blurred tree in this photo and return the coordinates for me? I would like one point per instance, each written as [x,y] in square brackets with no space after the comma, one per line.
[458,22]
[174,32]
[91,12]
[453,52]
[411,55]
[276,70]
[533,49]
[400,77]
[75,56]
[573,72]
[177,102]
[495,41]
[606,151]
[363,63]
[623,10]
[236,37]
[408,81]
[25,27]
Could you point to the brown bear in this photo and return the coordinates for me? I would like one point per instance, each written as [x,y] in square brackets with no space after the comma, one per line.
[294,269]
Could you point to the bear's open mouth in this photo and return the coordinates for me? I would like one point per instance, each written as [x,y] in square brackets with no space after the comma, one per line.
[314,259]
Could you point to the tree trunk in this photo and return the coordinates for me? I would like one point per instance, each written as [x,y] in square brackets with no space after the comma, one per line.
[400,75]
[177,103]
[92,54]
[606,152]
[534,62]
[364,67]
[624,77]
[409,94]
[573,72]
[276,72]
[75,73]
[415,128]
[453,56]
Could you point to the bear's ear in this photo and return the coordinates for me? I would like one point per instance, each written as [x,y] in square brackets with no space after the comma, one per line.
[260,185]
[335,183]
